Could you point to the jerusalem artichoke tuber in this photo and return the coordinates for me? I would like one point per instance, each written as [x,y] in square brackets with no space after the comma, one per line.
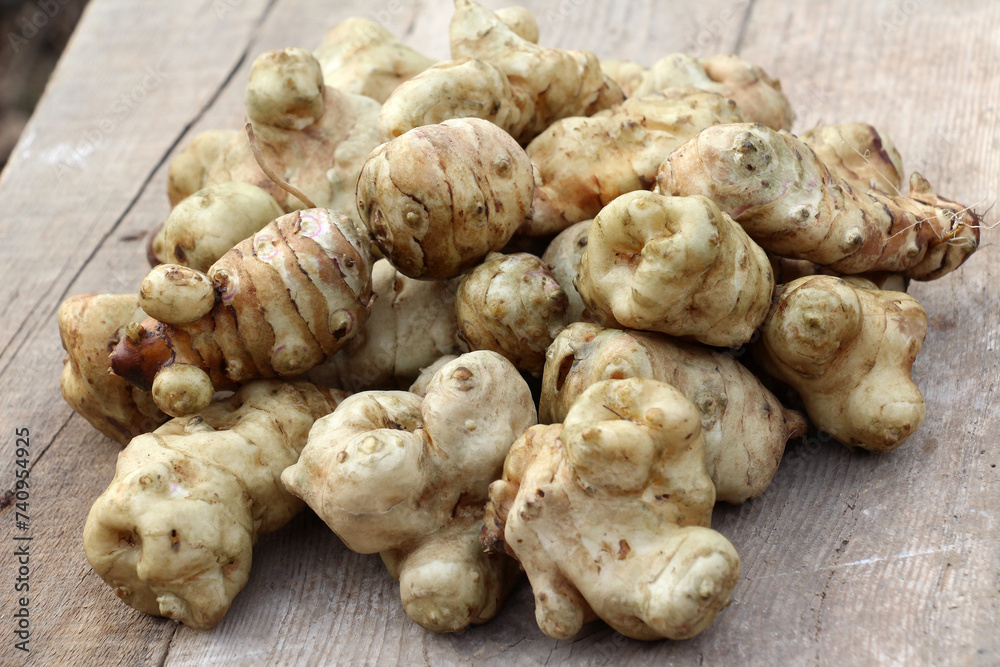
[848,348]
[563,258]
[439,198]
[582,164]
[745,427]
[412,324]
[549,83]
[858,153]
[90,325]
[408,476]
[285,299]
[204,226]
[359,56]
[511,304]
[790,203]
[677,265]
[611,516]
[315,136]
[186,174]
[174,531]
[757,95]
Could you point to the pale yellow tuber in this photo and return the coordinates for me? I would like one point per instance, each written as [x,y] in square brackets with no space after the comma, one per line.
[625,73]
[285,300]
[412,324]
[462,88]
[408,476]
[611,516]
[860,154]
[174,531]
[204,226]
[677,265]
[439,198]
[90,325]
[848,349]
[745,427]
[792,205]
[316,137]
[511,304]
[360,56]
[186,174]
[549,83]
[582,164]
[757,95]
[521,22]
[563,257]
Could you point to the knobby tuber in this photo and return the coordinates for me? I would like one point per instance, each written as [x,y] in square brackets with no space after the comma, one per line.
[860,154]
[316,137]
[359,56]
[90,325]
[412,324]
[204,226]
[285,299]
[186,174]
[174,531]
[677,265]
[511,304]
[611,516]
[582,164]
[439,198]
[548,83]
[745,427]
[408,476]
[757,95]
[848,349]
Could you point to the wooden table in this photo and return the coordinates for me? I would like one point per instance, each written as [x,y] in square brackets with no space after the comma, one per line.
[848,558]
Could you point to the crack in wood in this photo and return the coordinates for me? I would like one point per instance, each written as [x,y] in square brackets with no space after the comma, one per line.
[744,24]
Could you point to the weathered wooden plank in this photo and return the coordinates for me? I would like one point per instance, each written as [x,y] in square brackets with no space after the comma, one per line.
[893,559]
[105,124]
[847,557]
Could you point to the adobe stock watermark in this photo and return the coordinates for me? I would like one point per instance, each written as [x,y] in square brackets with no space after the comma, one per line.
[31,22]
[710,32]
[561,12]
[900,14]
[152,78]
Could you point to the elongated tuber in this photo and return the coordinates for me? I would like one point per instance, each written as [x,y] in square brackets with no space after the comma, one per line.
[860,154]
[611,515]
[757,95]
[677,265]
[284,300]
[174,531]
[439,198]
[582,164]
[789,202]
[90,325]
[848,348]
[408,476]
[745,427]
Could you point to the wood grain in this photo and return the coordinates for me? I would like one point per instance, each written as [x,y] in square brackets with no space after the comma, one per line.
[848,558]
